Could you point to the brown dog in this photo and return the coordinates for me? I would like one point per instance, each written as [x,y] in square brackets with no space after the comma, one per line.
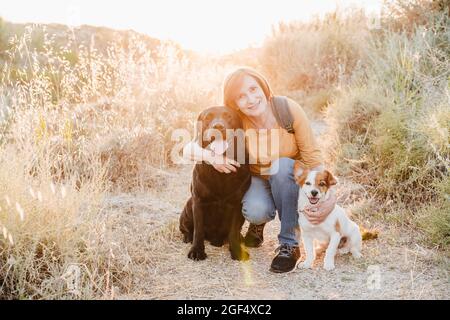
[214,210]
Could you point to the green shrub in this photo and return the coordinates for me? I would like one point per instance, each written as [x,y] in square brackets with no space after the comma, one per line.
[434,218]
[391,125]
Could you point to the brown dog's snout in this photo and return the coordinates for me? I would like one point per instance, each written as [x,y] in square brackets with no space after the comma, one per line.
[218,129]
[214,124]
[314,193]
[219,126]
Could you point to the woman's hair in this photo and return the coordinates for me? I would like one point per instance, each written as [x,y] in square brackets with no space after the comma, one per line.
[233,81]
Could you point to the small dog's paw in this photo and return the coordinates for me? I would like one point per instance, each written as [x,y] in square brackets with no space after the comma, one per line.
[197,254]
[343,251]
[328,265]
[305,265]
[356,254]
[241,255]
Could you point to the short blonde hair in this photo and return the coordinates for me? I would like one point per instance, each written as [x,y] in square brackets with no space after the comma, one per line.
[233,80]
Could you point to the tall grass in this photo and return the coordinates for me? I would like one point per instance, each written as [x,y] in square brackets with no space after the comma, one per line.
[46,227]
[117,102]
[315,55]
[385,94]
[391,125]
[75,127]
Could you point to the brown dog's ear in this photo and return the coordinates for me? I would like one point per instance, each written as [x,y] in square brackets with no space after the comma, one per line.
[199,130]
[300,173]
[331,180]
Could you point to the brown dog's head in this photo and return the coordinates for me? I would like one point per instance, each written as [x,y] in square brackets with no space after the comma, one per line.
[213,124]
[314,184]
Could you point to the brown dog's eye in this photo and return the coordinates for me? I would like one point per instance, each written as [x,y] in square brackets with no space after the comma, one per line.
[322,184]
[308,183]
[228,116]
[208,117]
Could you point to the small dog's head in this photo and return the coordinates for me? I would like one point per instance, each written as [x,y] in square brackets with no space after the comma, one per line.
[213,123]
[314,184]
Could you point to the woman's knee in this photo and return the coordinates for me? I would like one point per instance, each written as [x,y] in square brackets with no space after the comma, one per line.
[257,212]
[282,169]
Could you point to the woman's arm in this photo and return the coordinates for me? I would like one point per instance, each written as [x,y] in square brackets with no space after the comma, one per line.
[317,214]
[320,167]
[193,152]
[308,148]
[311,157]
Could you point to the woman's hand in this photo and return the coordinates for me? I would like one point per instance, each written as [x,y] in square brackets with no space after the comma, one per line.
[224,164]
[316,214]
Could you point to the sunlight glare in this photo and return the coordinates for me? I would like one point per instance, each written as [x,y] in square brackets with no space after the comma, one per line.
[200,25]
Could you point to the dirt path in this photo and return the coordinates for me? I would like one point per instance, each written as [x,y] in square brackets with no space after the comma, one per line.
[393,266]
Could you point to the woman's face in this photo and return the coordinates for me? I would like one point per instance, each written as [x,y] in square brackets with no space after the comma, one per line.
[250,98]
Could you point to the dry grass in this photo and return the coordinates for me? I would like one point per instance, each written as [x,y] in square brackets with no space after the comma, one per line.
[86,182]
[390,127]
[317,55]
[73,132]
[47,226]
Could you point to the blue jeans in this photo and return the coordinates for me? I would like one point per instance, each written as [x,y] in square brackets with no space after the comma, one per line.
[279,193]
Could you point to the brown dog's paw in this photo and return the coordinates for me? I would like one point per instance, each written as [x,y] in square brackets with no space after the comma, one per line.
[241,255]
[216,243]
[187,238]
[197,254]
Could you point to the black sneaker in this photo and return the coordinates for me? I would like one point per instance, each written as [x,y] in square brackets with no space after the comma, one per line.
[286,259]
[254,237]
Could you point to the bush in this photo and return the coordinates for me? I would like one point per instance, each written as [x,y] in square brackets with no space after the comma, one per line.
[406,15]
[316,55]
[391,125]
[434,217]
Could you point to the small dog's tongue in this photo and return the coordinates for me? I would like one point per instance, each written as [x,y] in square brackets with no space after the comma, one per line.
[219,146]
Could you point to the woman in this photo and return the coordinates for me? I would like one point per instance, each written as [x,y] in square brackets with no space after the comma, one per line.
[272,152]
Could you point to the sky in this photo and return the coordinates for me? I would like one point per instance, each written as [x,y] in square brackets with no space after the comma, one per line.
[207,26]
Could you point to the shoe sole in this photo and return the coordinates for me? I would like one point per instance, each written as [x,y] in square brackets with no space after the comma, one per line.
[293,269]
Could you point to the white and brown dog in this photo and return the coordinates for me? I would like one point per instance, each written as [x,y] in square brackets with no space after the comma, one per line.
[314,187]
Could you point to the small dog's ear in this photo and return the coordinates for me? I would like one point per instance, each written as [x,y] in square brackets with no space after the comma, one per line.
[300,173]
[331,180]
